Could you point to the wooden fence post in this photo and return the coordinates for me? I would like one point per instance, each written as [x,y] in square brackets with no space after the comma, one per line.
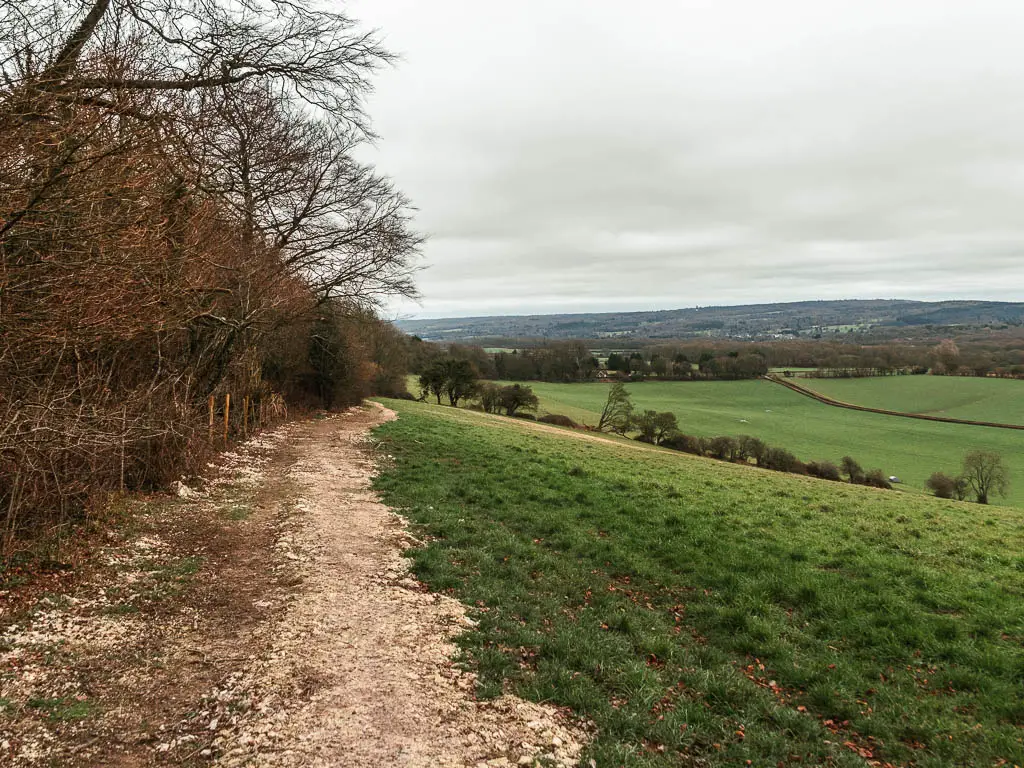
[227,414]
[245,416]
[124,432]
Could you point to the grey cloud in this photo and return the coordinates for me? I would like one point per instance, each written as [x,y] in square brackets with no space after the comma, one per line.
[587,155]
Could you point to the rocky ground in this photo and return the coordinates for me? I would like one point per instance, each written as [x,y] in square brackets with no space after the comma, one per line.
[263,617]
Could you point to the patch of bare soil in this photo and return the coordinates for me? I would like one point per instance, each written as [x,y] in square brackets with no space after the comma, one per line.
[111,668]
[265,619]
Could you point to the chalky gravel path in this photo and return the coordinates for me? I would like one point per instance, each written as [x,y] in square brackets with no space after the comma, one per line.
[359,668]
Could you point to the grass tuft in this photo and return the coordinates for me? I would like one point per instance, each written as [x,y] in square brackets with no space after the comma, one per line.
[64,709]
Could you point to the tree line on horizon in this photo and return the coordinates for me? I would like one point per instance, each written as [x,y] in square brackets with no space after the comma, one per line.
[689,360]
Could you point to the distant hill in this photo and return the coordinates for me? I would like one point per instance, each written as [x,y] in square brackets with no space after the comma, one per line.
[750,321]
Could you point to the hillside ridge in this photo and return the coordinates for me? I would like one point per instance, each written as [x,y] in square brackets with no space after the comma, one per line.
[746,321]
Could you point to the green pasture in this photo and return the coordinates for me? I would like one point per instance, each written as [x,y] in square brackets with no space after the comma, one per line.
[908,448]
[959,397]
[700,613]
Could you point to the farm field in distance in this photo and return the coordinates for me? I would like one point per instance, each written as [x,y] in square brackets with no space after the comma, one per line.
[959,397]
[908,448]
[699,612]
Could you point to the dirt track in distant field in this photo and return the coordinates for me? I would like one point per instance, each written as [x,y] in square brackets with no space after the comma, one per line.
[826,400]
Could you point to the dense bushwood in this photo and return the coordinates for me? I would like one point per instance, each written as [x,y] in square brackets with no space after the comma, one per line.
[181,217]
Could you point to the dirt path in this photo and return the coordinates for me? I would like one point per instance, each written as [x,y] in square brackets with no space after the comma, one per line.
[359,673]
[267,619]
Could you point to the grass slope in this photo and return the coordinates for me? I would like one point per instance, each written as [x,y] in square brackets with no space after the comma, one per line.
[702,613]
[908,448]
[978,399]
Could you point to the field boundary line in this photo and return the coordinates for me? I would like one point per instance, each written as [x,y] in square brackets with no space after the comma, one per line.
[824,399]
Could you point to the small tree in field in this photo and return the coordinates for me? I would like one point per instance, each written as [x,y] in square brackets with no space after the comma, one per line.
[617,414]
[449,376]
[433,379]
[781,460]
[644,423]
[941,485]
[853,471]
[722,447]
[985,474]
[753,448]
[489,396]
[826,470]
[665,425]
[655,427]
[876,479]
[461,381]
[517,398]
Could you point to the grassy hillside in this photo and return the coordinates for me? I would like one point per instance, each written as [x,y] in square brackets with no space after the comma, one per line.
[973,398]
[702,613]
[907,448]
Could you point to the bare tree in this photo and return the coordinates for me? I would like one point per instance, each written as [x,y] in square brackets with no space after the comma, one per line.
[178,201]
[852,469]
[941,485]
[56,53]
[146,61]
[985,474]
[617,414]
[294,185]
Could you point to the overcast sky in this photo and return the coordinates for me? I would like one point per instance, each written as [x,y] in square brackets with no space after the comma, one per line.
[590,155]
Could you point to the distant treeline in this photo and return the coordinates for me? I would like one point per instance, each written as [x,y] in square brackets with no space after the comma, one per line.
[573,361]
[859,321]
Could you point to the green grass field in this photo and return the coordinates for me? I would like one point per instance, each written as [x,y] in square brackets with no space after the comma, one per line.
[978,399]
[701,613]
[908,448]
